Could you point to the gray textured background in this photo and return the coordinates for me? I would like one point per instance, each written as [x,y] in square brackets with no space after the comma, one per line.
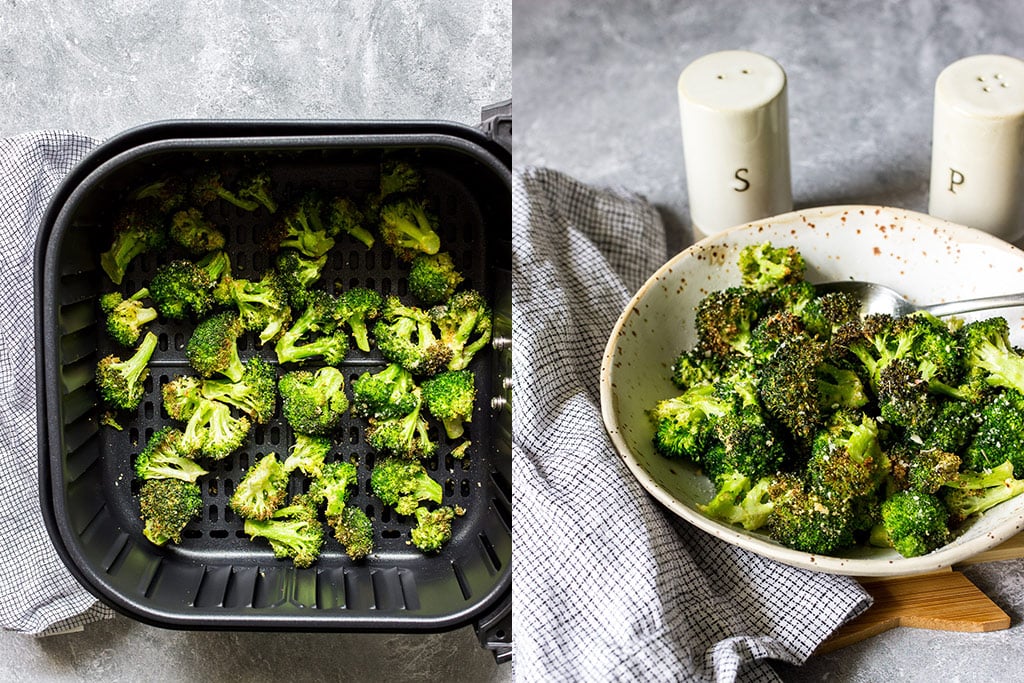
[100,67]
[596,98]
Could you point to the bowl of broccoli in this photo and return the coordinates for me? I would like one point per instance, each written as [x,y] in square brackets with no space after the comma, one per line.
[782,419]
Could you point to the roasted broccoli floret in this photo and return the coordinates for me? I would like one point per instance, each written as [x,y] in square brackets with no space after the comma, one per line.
[181,397]
[126,317]
[741,501]
[405,335]
[297,274]
[846,458]
[398,177]
[345,216]
[404,484]
[138,229]
[208,187]
[262,489]
[307,454]
[166,194]
[314,334]
[213,347]
[694,367]
[190,229]
[953,427]
[301,227]
[913,522]
[823,315]
[166,507]
[433,278]
[928,470]
[450,397]
[122,382]
[180,288]
[294,532]
[357,307]
[726,318]
[333,487]
[791,298]
[987,350]
[212,432]
[406,436]
[977,491]
[465,326]
[807,519]
[771,331]
[764,267]
[388,393]
[1000,434]
[788,387]
[408,228]
[255,393]
[433,527]
[903,396]
[684,425]
[354,531]
[257,187]
[262,304]
[313,402]
[163,458]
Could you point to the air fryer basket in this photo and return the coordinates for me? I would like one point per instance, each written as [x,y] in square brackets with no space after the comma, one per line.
[217,578]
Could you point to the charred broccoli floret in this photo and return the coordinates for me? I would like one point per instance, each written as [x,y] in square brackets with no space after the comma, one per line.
[255,393]
[726,318]
[404,484]
[387,393]
[313,402]
[314,334]
[307,454]
[408,228]
[126,317]
[122,382]
[450,397]
[262,304]
[354,531]
[433,278]
[344,216]
[333,487]
[213,347]
[190,229]
[1000,434]
[166,507]
[764,267]
[433,527]
[257,187]
[465,326]
[163,458]
[212,432]
[846,458]
[262,489]
[208,187]
[181,397]
[913,522]
[808,520]
[138,229]
[357,307]
[294,532]
[405,335]
[297,274]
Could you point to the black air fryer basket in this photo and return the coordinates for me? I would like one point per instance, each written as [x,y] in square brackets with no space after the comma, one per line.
[217,578]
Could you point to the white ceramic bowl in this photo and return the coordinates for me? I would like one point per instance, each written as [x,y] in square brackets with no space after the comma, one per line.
[928,259]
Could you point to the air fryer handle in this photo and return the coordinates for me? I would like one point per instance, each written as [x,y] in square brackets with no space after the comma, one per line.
[495,630]
[496,122]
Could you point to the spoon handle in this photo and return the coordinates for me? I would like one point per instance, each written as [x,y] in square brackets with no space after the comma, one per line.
[968,305]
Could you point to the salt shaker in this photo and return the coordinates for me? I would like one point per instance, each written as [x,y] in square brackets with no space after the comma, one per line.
[977,174]
[735,139]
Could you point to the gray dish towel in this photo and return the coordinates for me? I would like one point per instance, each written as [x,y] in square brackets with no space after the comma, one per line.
[37,593]
[607,584]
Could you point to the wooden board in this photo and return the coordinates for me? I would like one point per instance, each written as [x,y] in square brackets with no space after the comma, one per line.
[944,600]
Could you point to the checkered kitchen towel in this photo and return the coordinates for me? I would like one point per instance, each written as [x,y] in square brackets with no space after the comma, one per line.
[607,585]
[37,593]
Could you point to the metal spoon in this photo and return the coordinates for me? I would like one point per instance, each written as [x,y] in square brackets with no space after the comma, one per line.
[876,298]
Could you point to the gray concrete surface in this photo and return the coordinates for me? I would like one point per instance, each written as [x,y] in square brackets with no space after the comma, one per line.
[596,98]
[101,67]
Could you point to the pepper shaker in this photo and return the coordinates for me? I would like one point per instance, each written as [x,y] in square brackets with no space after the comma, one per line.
[977,174]
[735,129]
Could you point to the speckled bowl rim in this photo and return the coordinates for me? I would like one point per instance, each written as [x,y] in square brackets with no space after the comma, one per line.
[894,565]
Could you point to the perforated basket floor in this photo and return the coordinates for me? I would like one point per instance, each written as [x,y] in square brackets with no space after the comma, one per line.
[217,577]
